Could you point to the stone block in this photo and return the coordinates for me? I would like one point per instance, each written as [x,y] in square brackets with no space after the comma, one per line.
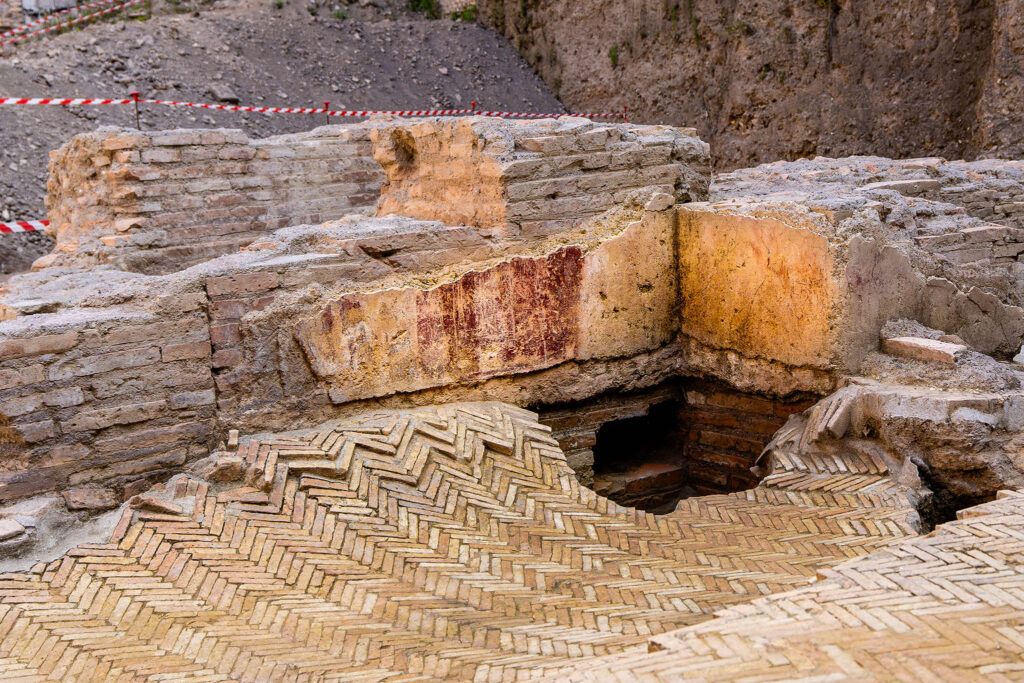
[923,349]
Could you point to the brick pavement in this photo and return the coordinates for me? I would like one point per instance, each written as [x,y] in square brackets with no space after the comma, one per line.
[948,606]
[442,543]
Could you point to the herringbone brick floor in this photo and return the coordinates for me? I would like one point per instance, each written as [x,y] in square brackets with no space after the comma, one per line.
[450,542]
[944,607]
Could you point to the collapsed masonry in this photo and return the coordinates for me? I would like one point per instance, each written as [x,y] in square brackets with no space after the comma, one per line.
[584,270]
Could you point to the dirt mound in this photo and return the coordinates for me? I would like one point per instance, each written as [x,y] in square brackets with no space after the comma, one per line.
[378,56]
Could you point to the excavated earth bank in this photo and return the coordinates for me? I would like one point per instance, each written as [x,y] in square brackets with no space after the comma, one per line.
[780,80]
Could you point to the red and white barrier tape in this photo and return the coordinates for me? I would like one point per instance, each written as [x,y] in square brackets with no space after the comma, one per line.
[50,17]
[72,22]
[302,110]
[23,226]
[64,102]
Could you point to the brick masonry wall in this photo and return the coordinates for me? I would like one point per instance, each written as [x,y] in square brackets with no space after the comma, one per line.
[101,399]
[725,432]
[532,178]
[716,437]
[160,202]
[990,189]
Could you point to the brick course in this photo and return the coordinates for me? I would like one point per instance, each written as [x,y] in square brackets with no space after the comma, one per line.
[159,202]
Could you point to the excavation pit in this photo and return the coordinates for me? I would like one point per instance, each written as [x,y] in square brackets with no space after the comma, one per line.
[653,448]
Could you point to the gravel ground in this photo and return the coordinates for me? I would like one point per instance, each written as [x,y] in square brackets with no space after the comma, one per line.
[375,55]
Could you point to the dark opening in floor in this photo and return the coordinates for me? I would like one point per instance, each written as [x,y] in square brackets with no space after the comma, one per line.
[638,461]
[649,449]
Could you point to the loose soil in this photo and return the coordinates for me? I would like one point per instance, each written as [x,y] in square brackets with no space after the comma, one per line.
[379,56]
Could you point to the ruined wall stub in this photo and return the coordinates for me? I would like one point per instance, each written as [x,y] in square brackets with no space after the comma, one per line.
[307,321]
[520,315]
[532,178]
[160,202]
[768,294]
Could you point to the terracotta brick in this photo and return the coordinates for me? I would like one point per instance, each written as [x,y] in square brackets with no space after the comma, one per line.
[91,365]
[53,343]
[185,351]
[224,334]
[227,309]
[115,415]
[226,358]
[245,283]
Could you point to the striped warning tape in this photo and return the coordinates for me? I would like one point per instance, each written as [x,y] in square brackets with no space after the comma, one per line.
[65,102]
[72,22]
[302,110]
[23,226]
[51,17]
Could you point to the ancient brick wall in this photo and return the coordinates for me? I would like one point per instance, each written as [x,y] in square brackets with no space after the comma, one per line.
[160,202]
[106,398]
[127,377]
[725,432]
[532,178]
[575,426]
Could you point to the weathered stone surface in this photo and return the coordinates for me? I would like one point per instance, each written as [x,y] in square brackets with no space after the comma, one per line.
[10,528]
[759,286]
[517,316]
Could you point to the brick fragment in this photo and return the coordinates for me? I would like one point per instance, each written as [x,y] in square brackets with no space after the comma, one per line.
[89,498]
[51,343]
[185,351]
